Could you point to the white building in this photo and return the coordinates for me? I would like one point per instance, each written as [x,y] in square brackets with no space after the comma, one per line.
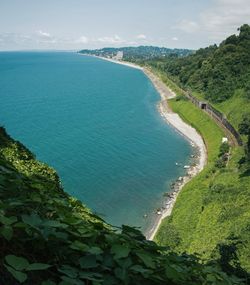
[118,56]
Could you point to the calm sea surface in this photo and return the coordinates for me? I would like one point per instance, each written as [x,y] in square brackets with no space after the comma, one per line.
[97,124]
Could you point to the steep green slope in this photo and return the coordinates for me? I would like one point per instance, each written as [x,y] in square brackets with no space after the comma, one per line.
[219,74]
[47,237]
[214,207]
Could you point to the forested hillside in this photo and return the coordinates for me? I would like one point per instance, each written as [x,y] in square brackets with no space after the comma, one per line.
[216,71]
[213,209]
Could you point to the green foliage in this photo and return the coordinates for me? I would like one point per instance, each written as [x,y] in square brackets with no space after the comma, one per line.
[48,238]
[223,155]
[214,71]
[224,149]
[244,128]
[215,204]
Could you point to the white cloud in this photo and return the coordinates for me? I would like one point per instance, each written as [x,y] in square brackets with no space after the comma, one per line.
[45,37]
[82,40]
[219,21]
[111,40]
[141,37]
[175,39]
[44,34]
[225,17]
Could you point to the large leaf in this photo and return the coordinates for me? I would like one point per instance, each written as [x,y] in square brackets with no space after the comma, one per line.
[79,246]
[140,269]
[95,250]
[7,220]
[121,273]
[38,266]
[33,220]
[120,251]
[54,224]
[20,276]
[69,271]
[147,260]
[88,261]
[71,281]
[91,276]
[6,232]
[18,263]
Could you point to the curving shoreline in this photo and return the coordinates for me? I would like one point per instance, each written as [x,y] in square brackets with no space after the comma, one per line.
[189,133]
[174,120]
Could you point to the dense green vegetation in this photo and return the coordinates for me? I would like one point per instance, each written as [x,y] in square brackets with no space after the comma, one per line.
[137,54]
[216,71]
[219,74]
[48,237]
[213,210]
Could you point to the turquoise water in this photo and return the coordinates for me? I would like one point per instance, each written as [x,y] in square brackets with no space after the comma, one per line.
[97,124]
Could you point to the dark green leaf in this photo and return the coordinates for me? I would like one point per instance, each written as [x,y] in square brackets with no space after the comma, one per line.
[88,261]
[54,224]
[120,251]
[32,220]
[69,271]
[95,250]
[7,220]
[79,246]
[71,281]
[7,232]
[18,263]
[19,276]
[147,260]
[91,276]
[121,274]
[38,266]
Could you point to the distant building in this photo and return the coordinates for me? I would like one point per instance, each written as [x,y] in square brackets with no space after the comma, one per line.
[118,56]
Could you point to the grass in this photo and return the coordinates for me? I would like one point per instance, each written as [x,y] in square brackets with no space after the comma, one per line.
[214,206]
[233,108]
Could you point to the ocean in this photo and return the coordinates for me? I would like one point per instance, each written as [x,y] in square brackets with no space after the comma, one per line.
[97,124]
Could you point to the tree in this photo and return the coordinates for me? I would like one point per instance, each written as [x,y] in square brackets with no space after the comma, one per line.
[244,129]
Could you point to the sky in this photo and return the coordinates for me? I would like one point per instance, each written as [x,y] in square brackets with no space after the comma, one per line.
[88,24]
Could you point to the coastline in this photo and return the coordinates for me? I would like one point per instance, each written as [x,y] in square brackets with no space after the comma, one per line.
[129,64]
[174,120]
[190,134]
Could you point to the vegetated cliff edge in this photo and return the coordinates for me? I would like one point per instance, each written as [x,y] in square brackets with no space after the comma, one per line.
[213,209]
[48,237]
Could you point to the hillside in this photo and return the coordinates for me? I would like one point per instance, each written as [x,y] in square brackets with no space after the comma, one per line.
[136,54]
[219,74]
[48,237]
[213,209]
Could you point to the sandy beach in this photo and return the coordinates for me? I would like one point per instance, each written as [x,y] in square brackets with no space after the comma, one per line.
[116,61]
[184,129]
[189,133]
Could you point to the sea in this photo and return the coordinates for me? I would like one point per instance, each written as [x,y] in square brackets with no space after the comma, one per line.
[97,124]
